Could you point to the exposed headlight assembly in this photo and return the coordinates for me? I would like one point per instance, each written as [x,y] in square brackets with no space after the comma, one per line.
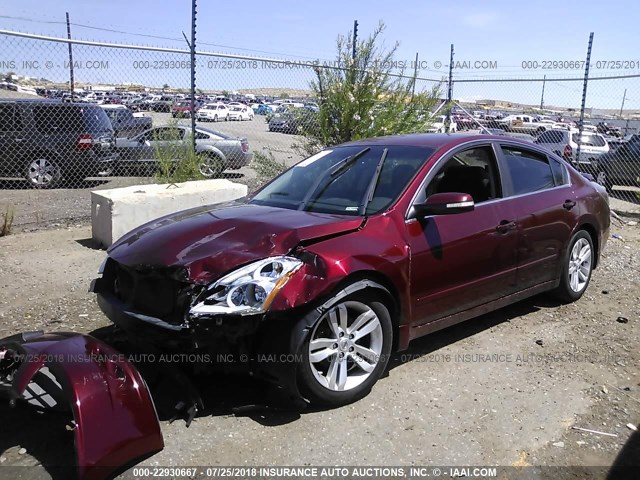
[248,290]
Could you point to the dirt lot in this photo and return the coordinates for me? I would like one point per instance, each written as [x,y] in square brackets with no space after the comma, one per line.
[503,389]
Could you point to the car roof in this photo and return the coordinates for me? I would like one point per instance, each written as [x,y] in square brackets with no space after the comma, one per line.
[433,140]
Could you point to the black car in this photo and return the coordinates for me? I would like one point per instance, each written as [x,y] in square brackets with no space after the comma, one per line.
[48,141]
[620,166]
[293,122]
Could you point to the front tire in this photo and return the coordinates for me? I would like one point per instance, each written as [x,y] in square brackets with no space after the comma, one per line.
[346,352]
[577,268]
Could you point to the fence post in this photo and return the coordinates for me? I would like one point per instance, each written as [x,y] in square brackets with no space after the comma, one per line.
[450,91]
[584,96]
[193,74]
[71,84]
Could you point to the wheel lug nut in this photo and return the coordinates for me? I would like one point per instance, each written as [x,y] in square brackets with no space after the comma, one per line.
[341,334]
[334,346]
[351,349]
[351,336]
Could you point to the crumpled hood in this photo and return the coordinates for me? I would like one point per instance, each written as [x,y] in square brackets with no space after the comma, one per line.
[211,241]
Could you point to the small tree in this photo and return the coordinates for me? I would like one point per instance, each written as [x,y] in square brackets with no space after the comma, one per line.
[165,86]
[364,97]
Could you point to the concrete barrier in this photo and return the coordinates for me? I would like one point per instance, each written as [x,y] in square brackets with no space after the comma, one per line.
[117,211]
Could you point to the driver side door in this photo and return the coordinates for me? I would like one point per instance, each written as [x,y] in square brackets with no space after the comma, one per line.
[460,261]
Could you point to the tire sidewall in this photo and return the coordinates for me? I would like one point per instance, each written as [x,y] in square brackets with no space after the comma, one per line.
[318,394]
[57,176]
[567,293]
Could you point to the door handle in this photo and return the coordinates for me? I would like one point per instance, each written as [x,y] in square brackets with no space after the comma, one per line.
[506,226]
[568,204]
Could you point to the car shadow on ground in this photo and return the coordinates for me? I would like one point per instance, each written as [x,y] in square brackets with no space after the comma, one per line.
[19,184]
[43,436]
[626,466]
[223,394]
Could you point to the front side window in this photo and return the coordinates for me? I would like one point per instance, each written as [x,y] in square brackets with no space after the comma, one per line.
[472,171]
[340,180]
[529,171]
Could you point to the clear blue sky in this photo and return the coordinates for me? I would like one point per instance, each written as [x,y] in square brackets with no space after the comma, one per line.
[504,32]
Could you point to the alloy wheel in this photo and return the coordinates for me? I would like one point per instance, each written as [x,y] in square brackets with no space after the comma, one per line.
[42,173]
[346,345]
[580,265]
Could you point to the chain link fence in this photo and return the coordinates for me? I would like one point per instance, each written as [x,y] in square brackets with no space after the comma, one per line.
[127,119]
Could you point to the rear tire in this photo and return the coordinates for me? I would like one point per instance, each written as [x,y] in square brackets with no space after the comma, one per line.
[211,165]
[603,179]
[577,266]
[346,351]
[43,172]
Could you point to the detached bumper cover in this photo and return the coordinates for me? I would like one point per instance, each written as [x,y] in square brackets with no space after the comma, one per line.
[115,418]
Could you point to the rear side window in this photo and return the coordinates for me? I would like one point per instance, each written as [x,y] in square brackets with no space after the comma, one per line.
[10,119]
[58,118]
[95,119]
[550,137]
[589,139]
[529,171]
[560,174]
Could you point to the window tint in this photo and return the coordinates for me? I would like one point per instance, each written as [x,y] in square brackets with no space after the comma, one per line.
[57,118]
[471,171]
[589,139]
[10,119]
[550,137]
[560,174]
[167,134]
[529,171]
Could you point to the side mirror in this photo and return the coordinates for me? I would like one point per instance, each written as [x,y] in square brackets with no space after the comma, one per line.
[445,204]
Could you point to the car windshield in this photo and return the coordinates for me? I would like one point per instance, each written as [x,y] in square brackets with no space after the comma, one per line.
[339,180]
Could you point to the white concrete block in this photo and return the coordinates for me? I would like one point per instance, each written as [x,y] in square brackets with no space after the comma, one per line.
[117,211]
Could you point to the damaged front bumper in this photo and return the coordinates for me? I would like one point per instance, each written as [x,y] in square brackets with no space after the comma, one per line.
[114,417]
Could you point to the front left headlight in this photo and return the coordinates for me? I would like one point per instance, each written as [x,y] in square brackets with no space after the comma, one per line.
[248,290]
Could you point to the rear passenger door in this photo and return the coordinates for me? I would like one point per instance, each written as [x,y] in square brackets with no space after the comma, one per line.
[11,140]
[539,190]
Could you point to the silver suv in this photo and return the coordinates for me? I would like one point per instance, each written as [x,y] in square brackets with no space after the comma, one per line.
[565,144]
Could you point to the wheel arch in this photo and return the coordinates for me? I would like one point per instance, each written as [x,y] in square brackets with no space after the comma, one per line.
[595,239]
[371,281]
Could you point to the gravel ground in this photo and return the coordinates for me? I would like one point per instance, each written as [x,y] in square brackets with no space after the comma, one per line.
[440,403]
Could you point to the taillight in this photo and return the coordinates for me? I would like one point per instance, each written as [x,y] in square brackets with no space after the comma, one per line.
[85,142]
[568,151]
[244,146]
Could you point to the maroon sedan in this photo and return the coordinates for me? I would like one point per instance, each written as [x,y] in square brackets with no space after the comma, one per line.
[312,281]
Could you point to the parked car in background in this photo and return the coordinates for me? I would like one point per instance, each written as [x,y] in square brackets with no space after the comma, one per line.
[50,143]
[621,166]
[525,124]
[293,122]
[564,143]
[438,125]
[213,112]
[241,113]
[163,104]
[263,109]
[218,151]
[124,123]
[354,252]
[183,108]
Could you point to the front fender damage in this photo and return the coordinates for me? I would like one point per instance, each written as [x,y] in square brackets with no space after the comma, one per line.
[115,421]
